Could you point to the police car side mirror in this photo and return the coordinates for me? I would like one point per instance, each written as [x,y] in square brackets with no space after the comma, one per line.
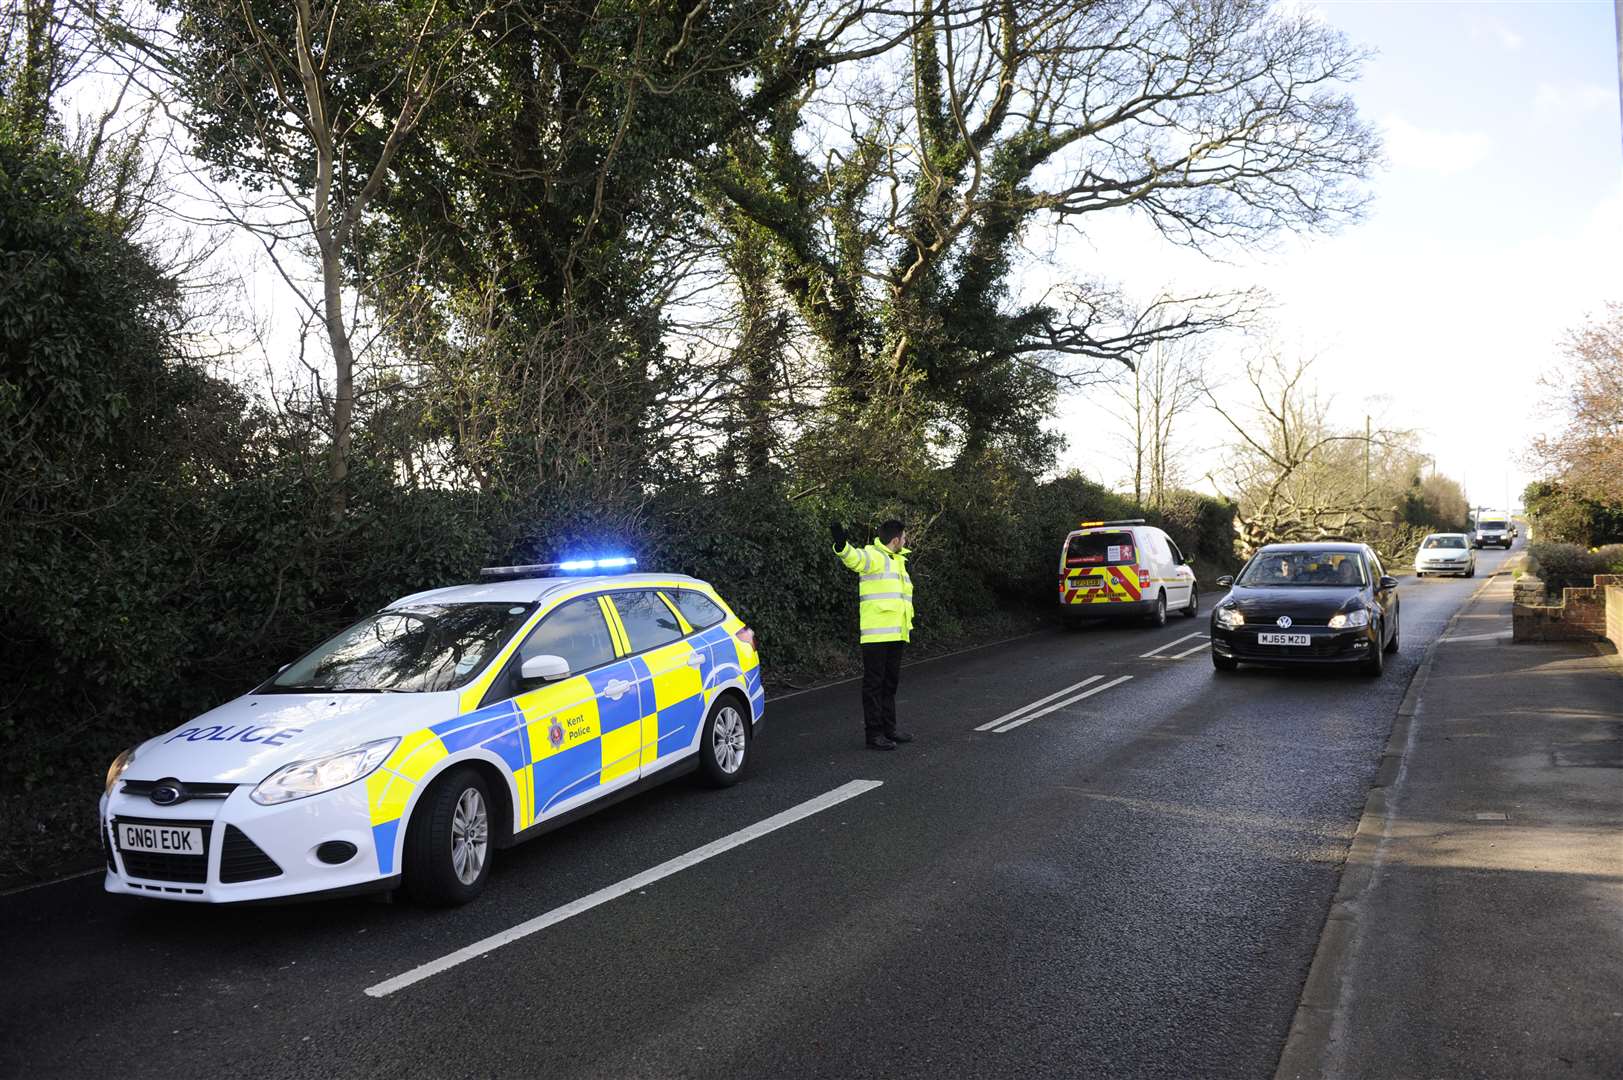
[1226,581]
[544,668]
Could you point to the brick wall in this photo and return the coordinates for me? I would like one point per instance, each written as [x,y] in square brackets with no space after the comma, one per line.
[1582,614]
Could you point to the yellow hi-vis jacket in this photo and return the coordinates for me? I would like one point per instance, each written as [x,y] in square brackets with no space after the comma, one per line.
[884,590]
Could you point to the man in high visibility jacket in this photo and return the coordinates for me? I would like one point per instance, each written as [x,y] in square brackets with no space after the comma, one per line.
[885,597]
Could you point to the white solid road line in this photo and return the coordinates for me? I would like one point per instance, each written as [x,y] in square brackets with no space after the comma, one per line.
[1202,647]
[1168,645]
[1039,702]
[631,884]
[1101,688]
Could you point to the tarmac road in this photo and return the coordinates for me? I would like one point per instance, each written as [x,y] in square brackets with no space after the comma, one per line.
[1131,885]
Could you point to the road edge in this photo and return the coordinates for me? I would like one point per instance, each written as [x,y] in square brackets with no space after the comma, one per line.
[1312,1029]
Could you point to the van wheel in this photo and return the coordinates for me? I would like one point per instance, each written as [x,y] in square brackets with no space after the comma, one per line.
[1192,609]
[1158,617]
[724,747]
[448,848]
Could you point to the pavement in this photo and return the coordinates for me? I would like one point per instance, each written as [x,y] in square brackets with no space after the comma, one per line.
[1134,881]
[1478,927]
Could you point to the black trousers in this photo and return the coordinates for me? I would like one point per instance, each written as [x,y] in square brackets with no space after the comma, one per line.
[881,671]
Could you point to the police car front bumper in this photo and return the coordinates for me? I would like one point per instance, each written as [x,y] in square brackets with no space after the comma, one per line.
[249,852]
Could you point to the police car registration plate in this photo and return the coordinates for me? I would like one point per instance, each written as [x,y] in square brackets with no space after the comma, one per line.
[1284,639]
[161,838]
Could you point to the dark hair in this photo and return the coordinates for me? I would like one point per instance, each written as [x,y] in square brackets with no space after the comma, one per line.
[890,530]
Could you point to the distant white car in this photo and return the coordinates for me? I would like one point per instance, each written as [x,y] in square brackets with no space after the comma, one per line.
[1445,553]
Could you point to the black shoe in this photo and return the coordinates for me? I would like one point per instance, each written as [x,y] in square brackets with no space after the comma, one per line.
[879,742]
[898,736]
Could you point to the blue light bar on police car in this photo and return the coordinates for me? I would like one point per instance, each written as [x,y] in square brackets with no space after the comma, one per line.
[569,566]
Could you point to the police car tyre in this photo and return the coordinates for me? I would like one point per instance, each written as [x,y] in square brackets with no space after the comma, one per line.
[449,842]
[1191,609]
[1224,663]
[725,745]
[1158,614]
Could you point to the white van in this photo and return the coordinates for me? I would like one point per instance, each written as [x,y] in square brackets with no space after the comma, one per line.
[1116,569]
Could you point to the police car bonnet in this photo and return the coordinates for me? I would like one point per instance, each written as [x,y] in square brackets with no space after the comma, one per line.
[244,740]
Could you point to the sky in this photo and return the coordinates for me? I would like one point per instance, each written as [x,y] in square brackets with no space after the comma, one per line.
[1496,227]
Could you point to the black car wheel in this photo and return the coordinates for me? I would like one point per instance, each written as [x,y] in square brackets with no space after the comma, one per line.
[1377,660]
[1224,663]
[1392,646]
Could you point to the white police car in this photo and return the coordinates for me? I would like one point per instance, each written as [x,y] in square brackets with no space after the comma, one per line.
[453,722]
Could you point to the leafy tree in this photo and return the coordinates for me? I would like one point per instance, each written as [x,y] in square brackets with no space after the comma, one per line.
[898,189]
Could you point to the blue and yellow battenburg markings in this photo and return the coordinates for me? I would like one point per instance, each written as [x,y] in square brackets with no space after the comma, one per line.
[567,738]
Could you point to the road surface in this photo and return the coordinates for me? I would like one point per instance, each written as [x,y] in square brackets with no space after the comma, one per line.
[1129,884]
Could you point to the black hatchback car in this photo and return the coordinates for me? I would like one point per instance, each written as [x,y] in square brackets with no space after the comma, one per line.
[1323,603]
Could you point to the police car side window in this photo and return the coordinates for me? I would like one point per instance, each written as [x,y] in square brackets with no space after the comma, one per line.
[575,631]
[698,609]
[648,622]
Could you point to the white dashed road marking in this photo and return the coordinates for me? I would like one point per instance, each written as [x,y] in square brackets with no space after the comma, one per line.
[1029,717]
[631,884]
[1168,645]
[1040,701]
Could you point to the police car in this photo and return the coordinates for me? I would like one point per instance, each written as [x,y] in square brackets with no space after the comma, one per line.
[1111,569]
[409,747]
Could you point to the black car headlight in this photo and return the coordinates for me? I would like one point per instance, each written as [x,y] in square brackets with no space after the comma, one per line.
[1347,620]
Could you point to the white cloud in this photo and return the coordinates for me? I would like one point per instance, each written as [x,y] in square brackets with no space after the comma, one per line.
[1499,31]
[1426,150]
[1575,97]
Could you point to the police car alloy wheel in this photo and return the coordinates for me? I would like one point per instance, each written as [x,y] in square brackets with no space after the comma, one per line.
[725,746]
[448,845]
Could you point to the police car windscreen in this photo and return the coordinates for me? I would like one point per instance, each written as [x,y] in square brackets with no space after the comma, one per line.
[1100,549]
[1444,542]
[418,649]
[1303,568]
[1490,524]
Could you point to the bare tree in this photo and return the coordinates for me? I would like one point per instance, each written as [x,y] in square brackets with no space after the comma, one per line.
[308,145]
[1586,454]
[1153,399]
[1294,474]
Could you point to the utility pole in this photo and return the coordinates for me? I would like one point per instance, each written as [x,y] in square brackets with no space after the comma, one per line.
[1367,436]
[1618,9]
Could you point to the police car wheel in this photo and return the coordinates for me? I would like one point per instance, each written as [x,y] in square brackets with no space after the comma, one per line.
[448,848]
[1158,614]
[1191,609]
[724,747]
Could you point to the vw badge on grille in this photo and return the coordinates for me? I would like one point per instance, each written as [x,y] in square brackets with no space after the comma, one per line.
[167,793]
[1284,622]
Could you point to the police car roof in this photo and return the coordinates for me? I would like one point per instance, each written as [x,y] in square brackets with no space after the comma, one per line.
[530,590]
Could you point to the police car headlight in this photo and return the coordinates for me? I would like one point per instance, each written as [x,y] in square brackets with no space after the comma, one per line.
[1229,618]
[116,769]
[1349,619]
[299,779]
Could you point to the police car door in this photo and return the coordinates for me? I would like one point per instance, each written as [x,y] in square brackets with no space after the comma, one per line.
[570,722]
[670,673]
